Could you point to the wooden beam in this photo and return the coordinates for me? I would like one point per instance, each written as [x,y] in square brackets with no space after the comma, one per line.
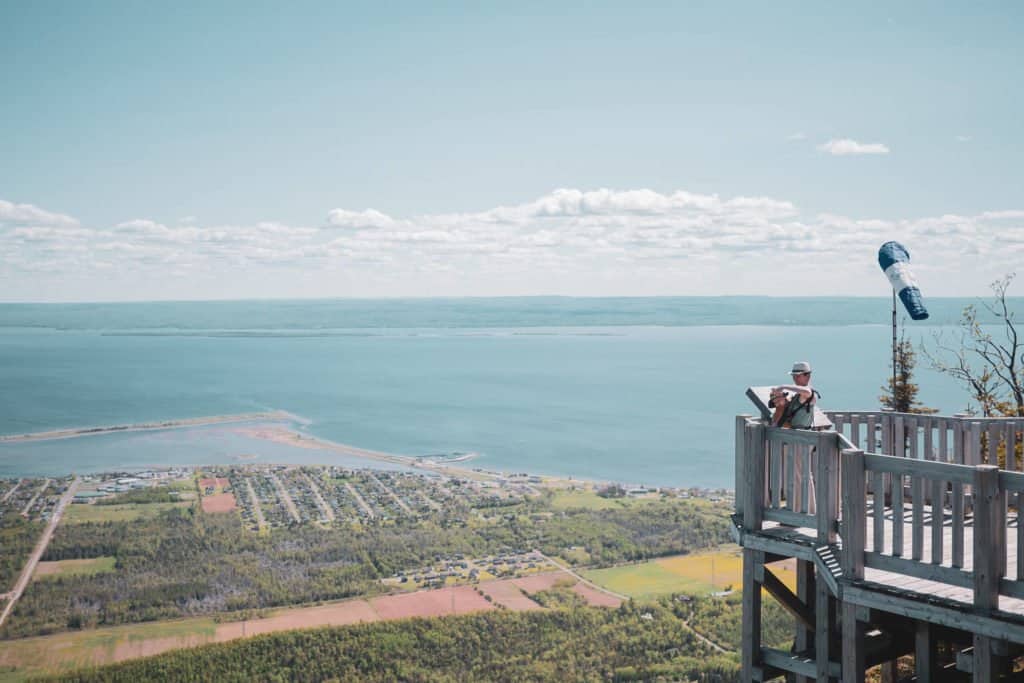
[853,645]
[936,611]
[925,665]
[823,629]
[752,559]
[785,597]
[805,593]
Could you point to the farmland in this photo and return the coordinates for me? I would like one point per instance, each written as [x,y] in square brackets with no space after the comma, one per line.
[66,651]
[692,574]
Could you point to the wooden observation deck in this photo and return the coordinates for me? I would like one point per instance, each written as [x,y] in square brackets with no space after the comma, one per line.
[906,538]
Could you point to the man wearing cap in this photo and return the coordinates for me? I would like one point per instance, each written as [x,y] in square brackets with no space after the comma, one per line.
[794,403]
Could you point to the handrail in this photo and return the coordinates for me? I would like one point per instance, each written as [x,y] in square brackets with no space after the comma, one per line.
[934,507]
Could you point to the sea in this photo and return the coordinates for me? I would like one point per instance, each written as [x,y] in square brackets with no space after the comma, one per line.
[635,390]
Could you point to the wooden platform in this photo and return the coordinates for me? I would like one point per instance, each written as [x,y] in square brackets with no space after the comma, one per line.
[923,587]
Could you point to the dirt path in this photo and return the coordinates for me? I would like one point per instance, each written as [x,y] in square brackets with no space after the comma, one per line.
[256,509]
[586,582]
[398,501]
[285,497]
[359,499]
[32,501]
[11,492]
[325,509]
[686,624]
[33,559]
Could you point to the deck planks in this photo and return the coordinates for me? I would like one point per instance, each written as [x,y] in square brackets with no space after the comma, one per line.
[915,584]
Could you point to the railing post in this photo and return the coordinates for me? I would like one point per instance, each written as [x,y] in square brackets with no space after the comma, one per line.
[988,509]
[741,454]
[854,526]
[753,475]
[826,480]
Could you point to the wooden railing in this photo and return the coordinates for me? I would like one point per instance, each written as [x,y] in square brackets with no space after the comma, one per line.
[937,508]
[963,440]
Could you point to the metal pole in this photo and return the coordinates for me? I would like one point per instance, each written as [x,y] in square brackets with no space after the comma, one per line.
[894,350]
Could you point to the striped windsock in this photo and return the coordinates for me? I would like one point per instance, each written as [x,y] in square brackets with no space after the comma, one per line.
[895,262]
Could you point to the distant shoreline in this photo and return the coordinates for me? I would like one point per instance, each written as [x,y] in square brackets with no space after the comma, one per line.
[273,416]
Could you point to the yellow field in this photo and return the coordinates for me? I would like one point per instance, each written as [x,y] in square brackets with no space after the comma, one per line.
[696,574]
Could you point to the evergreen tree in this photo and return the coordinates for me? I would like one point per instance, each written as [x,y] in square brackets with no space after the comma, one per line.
[901,397]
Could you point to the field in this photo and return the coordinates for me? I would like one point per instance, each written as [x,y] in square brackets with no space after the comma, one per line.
[94,565]
[66,651]
[565,499]
[694,574]
[79,513]
[219,502]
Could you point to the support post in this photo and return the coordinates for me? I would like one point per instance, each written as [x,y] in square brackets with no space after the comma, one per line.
[823,630]
[805,591]
[925,665]
[753,561]
[988,517]
[854,502]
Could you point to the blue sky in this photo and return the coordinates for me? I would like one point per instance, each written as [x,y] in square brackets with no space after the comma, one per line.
[207,150]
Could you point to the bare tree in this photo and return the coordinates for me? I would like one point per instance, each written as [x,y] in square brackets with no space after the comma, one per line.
[989,363]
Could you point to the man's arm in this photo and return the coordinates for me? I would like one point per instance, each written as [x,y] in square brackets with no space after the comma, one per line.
[806,392]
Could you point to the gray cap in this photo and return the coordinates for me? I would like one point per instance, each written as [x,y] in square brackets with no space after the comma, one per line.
[800,367]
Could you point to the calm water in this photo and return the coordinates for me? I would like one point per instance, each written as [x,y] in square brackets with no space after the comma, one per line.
[591,396]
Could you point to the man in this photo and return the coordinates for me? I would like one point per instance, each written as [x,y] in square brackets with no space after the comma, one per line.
[794,403]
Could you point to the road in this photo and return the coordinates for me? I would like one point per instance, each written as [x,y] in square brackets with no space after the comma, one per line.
[325,509]
[359,499]
[11,492]
[283,494]
[256,509]
[398,501]
[33,559]
[32,501]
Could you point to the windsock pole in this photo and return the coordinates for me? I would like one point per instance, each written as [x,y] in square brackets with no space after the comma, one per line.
[894,352]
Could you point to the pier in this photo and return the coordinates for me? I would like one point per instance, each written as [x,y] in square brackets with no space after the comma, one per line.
[905,533]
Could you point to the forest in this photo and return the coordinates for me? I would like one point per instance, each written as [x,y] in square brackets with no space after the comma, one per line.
[631,643]
[182,562]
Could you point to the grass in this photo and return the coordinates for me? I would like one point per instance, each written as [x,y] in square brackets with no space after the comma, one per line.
[95,565]
[565,499]
[696,574]
[78,513]
[26,657]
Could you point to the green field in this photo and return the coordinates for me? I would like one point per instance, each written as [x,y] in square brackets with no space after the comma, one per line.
[95,565]
[79,513]
[564,499]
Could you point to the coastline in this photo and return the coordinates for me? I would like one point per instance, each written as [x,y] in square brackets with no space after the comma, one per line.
[69,433]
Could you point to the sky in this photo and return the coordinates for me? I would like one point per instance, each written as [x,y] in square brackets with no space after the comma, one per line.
[287,150]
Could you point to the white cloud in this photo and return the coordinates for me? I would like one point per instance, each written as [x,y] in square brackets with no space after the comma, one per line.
[647,241]
[27,214]
[370,218]
[795,137]
[964,138]
[847,147]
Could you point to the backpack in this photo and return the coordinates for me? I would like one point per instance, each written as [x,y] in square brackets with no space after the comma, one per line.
[792,412]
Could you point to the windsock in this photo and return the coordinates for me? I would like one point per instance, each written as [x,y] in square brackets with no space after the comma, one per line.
[895,262]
